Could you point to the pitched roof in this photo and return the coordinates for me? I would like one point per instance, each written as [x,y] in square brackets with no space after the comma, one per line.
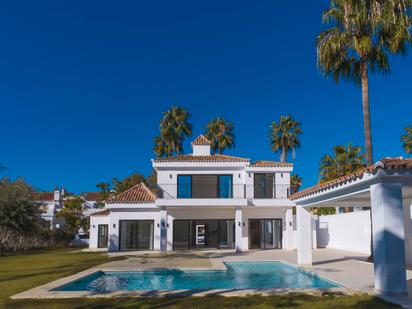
[90,196]
[201,140]
[102,213]
[139,194]
[205,158]
[384,164]
[270,164]
[43,196]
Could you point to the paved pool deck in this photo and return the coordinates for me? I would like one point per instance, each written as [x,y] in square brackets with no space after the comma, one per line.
[346,268]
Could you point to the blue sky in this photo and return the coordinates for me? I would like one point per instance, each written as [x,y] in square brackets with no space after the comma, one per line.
[83,84]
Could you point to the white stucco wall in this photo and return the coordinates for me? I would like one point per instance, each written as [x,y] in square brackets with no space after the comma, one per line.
[94,230]
[346,231]
[118,214]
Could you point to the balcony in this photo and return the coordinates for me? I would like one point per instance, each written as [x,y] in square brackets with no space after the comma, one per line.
[222,191]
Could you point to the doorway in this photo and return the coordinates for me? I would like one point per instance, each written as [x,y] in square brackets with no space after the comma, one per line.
[265,233]
[103,235]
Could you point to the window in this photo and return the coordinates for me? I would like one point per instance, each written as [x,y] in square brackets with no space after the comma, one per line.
[204,186]
[225,186]
[264,185]
[184,186]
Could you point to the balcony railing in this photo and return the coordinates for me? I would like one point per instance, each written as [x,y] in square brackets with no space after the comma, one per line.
[235,191]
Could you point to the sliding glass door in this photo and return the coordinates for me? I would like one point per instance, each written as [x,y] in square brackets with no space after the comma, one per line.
[136,234]
[203,233]
[265,233]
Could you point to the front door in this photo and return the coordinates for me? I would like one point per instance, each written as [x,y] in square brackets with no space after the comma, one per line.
[103,230]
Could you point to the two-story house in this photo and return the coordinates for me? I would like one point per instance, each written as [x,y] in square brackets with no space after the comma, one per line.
[202,201]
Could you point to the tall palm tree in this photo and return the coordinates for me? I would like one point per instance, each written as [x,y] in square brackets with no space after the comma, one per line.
[407,139]
[284,136]
[174,128]
[221,133]
[361,35]
[344,160]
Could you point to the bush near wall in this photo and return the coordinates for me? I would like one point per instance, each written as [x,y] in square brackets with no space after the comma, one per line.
[14,241]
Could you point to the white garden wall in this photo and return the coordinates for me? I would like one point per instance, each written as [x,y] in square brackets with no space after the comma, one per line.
[346,231]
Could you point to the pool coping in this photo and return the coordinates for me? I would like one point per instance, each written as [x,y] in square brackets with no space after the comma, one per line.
[47,290]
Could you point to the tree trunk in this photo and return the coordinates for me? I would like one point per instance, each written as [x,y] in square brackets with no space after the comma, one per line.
[366,114]
[368,132]
[283,155]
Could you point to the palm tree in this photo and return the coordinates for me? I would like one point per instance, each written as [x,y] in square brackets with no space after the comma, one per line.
[284,136]
[344,160]
[407,139]
[221,133]
[362,34]
[174,128]
[295,183]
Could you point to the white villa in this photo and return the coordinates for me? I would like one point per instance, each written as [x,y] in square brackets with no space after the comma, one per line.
[50,204]
[203,200]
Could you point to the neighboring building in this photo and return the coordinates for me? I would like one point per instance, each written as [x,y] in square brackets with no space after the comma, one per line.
[50,204]
[203,200]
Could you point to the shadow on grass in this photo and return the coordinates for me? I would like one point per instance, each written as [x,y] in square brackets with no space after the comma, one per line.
[292,300]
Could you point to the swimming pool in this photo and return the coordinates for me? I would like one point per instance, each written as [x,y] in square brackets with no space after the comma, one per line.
[239,275]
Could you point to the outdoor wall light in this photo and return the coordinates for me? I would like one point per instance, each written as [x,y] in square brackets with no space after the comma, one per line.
[249,175]
[158,225]
[171,176]
[239,223]
[114,225]
[94,226]
[239,175]
[244,224]
[168,225]
[281,175]
[290,223]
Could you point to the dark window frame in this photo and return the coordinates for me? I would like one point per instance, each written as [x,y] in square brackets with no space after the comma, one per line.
[218,189]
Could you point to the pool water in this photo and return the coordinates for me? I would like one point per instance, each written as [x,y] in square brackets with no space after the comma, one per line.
[239,275]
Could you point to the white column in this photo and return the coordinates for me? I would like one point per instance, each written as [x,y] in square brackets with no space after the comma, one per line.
[288,244]
[114,234]
[388,238]
[239,230]
[304,227]
[163,229]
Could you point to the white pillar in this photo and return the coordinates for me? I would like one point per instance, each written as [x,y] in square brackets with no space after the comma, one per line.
[304,227]
[388,238]
[288,244]
[163,229]
[239,230]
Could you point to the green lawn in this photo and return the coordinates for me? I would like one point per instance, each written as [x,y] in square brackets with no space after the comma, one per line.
[22,272]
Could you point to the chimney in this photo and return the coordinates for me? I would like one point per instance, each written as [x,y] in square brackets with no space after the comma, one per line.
[56,194]
[201,146]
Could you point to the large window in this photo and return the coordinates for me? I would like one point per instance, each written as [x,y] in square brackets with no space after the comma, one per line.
[264,185]
[204,186]
[184,186]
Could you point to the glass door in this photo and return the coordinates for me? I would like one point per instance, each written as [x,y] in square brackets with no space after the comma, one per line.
[265,233]
[136,234]
[181,234]
[103,231]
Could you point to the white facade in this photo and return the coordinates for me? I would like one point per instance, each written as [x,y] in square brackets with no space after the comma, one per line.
[206,201]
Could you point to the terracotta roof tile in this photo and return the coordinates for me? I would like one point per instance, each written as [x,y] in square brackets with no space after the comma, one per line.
[102,213]
[90,196]
[385,164]
[43,196]
[201,140]
[205,158]
[138,194]
[270,164]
